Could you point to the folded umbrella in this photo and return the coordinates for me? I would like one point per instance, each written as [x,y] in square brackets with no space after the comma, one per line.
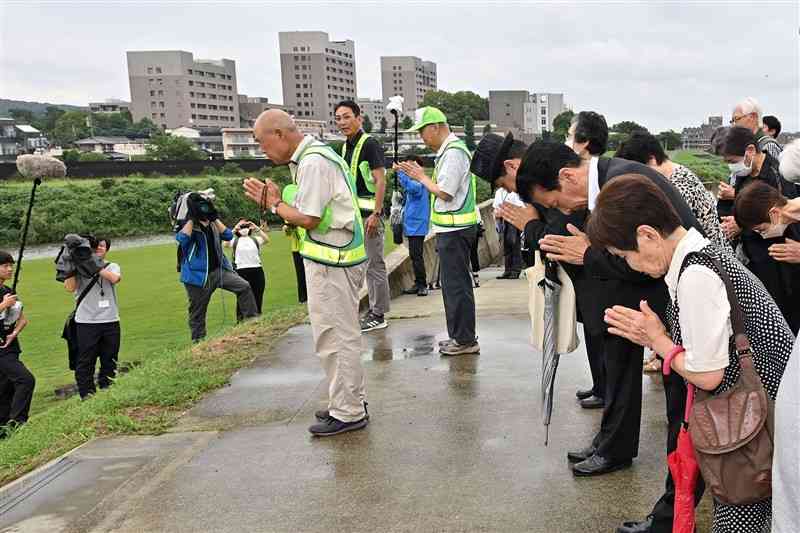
[551,286]
[684,469]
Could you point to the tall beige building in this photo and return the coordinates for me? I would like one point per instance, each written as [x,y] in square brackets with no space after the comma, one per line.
[523,112]
[317,73]
[374,109]
[409,77]
[173,89]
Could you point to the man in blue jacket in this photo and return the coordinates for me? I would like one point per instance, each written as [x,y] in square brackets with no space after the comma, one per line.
[204,269]
[416,217]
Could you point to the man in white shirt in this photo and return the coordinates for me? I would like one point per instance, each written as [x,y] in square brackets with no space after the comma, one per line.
[455,221]
[334,256]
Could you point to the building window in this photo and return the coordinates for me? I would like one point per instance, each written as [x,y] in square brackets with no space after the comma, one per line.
[297,76]
[189,71]
[191,83]
[194,116]
[152,104]
[160,93]
[154,115]
[149,70]
[294,49]
[152,93]
[158,70]
[161,104]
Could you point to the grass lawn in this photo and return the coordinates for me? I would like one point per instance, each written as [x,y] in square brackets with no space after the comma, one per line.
[153,307]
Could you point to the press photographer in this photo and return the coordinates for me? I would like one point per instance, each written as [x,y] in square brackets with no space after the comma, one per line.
[16,381]
[96,316]
[203,266]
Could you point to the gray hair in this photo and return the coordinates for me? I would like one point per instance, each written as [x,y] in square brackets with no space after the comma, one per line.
[750,105]
[40,166]
[790,161]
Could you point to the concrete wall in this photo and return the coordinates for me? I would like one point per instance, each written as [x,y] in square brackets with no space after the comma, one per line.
[398,263]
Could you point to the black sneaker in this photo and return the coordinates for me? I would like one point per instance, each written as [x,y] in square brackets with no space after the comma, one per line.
[332,426]
[324,414]
[412,290]
[371,322]
[422,291]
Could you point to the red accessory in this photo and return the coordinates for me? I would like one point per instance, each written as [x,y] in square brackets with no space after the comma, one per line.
[666,368]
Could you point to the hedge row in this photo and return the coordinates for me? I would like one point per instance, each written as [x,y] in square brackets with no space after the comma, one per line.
[125,207]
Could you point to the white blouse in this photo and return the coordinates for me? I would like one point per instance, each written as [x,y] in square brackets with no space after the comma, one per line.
[704,308]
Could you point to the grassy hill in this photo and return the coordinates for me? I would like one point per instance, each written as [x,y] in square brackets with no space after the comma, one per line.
[36,107]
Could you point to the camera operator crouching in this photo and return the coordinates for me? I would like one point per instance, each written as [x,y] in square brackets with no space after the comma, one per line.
[96,320]
[204,268]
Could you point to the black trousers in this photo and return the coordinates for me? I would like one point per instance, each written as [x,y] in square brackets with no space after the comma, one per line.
[512,249]
[16,390]
[454,249]
[416,246]
[473,254]
[663,511]
[300,273]
[96,341]
[258,282]
[597,364]
[618,438]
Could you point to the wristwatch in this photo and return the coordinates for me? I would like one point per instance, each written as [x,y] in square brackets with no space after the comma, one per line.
[275,207]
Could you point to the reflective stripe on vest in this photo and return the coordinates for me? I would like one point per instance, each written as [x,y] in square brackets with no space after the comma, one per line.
[466,214]
[366,203]
[352,253]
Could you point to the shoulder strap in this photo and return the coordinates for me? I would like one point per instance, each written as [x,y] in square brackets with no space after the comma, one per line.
[737,315]
[86,290]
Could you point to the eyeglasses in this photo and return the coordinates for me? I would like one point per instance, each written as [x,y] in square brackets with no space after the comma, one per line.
[736,119]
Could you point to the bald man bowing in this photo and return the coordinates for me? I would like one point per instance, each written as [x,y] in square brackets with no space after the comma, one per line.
[325,210]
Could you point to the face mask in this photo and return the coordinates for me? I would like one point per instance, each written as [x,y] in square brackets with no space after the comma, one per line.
[775,230]
[244,232]
[741,169]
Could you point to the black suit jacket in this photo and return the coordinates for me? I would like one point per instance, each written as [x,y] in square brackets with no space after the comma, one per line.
[606,280]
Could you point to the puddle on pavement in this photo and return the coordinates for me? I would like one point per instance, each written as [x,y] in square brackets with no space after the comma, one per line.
[273,376]
[418,346]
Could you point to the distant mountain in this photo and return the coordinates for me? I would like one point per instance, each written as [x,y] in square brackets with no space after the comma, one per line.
[36,107]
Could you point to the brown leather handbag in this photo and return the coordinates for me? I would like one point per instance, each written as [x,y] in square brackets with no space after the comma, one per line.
[733,431]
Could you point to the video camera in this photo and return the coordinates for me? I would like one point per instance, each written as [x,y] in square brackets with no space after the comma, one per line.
[77,257]
[193,205]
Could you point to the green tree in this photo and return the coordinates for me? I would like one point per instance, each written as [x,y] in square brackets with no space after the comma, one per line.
[469,132]
[406,122]
[384,125]
[561,125]
[110,124]
[70,127]
[70,156]
[627,127]
[144,128]
[164,147]
[92,156]
[22,116]
[457,106]
[367,124]
[670,140]
[46,123]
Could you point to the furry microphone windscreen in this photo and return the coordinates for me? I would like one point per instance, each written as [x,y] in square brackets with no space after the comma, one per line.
[40,166]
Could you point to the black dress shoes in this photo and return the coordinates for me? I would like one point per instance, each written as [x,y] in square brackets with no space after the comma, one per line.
[412,290]
[597,466]
[593,402]
[581,455]
[636,527]
[583,394]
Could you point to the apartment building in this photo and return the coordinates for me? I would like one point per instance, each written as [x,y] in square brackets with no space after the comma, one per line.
[409,77]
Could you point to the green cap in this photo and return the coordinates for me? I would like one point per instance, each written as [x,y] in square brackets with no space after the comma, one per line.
[427,115]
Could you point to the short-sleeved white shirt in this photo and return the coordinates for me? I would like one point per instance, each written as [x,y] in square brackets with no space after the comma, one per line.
[453,177]
[704,308]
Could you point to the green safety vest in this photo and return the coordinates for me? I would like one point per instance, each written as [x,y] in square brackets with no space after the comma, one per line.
[366,203]
[464,216]
[350,254]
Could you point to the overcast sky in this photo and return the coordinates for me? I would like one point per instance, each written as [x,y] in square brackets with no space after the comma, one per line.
[662,64]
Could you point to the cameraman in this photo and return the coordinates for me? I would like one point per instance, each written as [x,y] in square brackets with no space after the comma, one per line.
[97,321]
[204,267]
[16,381]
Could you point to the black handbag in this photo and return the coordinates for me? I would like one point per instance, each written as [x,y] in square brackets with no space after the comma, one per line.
[70,331]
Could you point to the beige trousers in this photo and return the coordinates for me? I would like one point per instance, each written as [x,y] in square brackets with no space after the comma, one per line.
[333,312]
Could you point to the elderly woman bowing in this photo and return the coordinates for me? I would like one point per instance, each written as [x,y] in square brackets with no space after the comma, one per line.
[634,219]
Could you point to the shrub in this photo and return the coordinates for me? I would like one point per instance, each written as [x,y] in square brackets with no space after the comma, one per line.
[231,168]
[107,183]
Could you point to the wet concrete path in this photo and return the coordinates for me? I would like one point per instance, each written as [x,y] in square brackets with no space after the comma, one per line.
[454,444]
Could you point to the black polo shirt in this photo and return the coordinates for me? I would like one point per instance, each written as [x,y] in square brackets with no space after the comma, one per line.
[372,153]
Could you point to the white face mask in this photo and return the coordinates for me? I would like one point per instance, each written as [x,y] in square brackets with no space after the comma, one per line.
[244,232]
[741,169]
[774,231]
